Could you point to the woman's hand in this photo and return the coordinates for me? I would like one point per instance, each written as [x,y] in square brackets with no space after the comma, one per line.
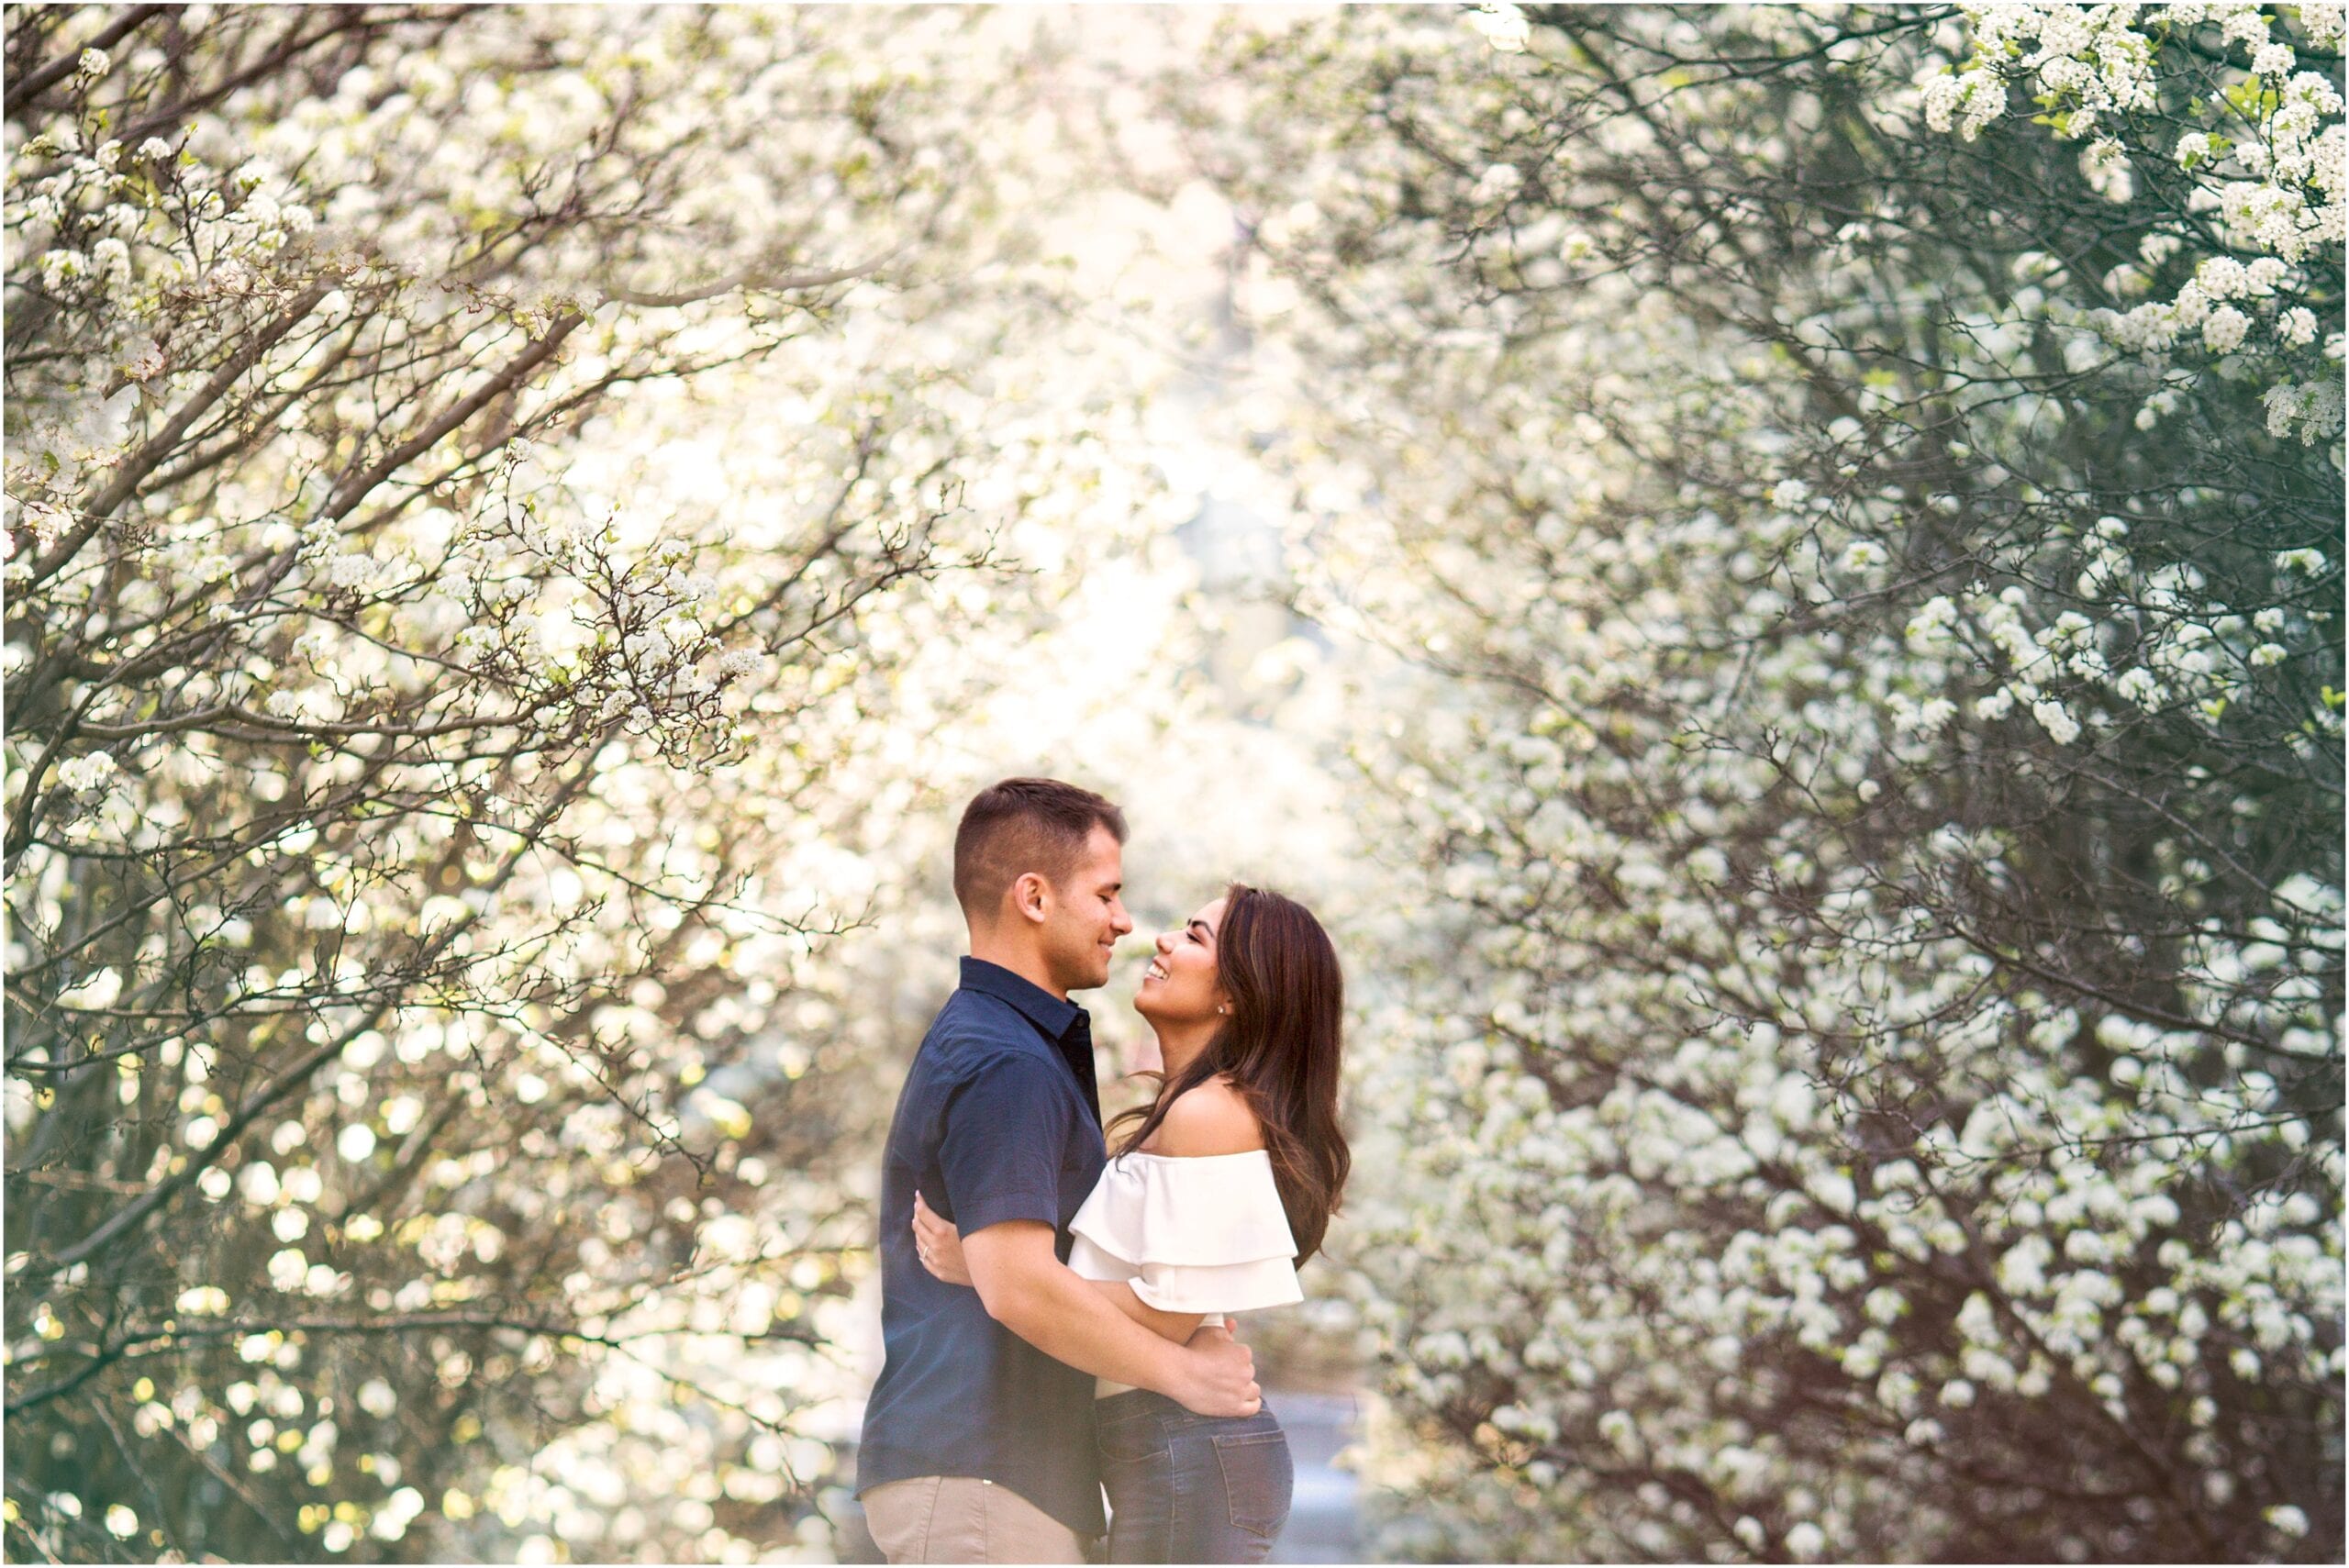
[937,1245]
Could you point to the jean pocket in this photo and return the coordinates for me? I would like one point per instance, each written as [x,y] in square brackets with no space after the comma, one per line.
[1131,1441]
[1257,1480]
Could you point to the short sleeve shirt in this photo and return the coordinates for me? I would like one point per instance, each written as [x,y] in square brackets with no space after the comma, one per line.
[999,1119]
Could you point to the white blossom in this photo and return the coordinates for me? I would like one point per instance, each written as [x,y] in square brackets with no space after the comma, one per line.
[2223,331]
[2056,720]
[1504,26]
[91,769]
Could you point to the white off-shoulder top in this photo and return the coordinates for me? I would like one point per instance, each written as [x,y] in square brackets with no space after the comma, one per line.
[1199,1233]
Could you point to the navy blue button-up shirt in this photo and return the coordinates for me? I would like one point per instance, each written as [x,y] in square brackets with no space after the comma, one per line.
[1001,1118]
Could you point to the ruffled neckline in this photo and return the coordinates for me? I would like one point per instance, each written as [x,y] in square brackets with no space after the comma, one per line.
[1146,1154]
[1190,1209]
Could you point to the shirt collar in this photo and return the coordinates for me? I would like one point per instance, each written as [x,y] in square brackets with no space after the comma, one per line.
[1052,1014]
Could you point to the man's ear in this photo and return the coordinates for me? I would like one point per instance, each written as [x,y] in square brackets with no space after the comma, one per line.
[1031,896]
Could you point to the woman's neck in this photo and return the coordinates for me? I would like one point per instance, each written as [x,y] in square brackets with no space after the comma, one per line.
[1178,1047]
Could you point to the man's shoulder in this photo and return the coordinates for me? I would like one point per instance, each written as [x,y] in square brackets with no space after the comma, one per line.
[976,1033]
[976,1021]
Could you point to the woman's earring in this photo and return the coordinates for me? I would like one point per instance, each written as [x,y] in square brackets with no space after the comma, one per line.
[1225,1008]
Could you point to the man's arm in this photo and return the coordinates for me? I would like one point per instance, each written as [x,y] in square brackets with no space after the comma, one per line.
[1176,1326]
[940,1248]
[1026,1287]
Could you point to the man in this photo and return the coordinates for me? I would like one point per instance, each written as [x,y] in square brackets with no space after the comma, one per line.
[978,1440]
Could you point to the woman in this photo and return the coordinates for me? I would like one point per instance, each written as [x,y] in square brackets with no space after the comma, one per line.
[1219,1189]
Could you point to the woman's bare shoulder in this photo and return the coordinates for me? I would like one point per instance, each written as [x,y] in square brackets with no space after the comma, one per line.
[1212,1119]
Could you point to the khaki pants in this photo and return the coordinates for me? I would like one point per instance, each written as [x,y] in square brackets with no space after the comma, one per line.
[961,1518]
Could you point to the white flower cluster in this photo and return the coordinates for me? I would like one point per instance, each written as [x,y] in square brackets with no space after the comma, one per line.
[92,770]
[628,641]
[2091,60]
[2313,411]
[1502,26]
[1966,100]
[116,236]
[2277,180]
[2175,634]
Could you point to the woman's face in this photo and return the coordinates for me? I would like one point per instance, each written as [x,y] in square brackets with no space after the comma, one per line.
[1181,985]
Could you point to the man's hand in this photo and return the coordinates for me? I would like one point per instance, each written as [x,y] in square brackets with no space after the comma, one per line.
[1219,1375]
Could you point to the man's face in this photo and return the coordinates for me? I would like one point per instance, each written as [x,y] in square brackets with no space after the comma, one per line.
[1084,916]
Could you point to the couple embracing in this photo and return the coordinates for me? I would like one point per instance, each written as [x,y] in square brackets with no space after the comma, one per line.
[1053,1294]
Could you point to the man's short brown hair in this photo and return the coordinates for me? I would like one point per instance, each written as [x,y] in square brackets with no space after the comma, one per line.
[1022,824]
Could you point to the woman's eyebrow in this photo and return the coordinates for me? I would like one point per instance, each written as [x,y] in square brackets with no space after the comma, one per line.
[1201,924]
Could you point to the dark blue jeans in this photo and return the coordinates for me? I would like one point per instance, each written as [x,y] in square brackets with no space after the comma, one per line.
[1186,1488]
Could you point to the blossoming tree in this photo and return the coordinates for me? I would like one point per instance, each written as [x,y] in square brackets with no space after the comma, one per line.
[1861,492]
[477,481]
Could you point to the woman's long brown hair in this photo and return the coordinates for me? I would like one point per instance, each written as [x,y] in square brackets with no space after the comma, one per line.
[1279,1048]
